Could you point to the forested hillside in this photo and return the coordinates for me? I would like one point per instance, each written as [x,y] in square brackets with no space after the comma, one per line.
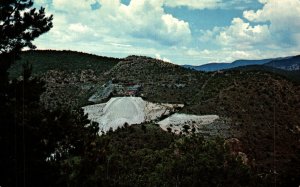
[261,107]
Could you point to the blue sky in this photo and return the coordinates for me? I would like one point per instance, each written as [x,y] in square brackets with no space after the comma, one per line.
[181,31]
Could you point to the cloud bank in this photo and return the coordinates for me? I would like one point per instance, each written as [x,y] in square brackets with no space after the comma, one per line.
[273,30]
[144,27]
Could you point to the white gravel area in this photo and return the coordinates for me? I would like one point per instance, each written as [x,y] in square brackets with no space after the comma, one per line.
[176,122]
[131,110]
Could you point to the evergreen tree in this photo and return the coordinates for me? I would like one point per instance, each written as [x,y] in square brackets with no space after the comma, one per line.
[20,24]
[35,143]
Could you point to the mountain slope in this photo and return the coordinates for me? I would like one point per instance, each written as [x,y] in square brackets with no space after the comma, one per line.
[71,77]
[162,81]
[71,61]
[261,107]
[290,64]
[293,76]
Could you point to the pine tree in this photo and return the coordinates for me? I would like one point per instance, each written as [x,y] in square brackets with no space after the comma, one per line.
[20,24]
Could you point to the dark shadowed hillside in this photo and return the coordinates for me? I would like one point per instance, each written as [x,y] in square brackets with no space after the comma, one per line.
[293,76]
[70,61]
[290,64]
[264,110]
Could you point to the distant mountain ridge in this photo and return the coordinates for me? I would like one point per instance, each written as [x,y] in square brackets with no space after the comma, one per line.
[289,64]
[221,66]
[285,63]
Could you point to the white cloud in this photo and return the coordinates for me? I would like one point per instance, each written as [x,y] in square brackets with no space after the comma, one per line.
[194,4]
[283,15]
[79,28]
[121,45]
[68,6]
[144,28]
[158,56]
[144,20]
[209,4]
[239,35]
[242,35]
[273,30]
[176,28]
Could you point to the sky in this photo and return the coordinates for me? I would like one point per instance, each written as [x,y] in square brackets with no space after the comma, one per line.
[180,31]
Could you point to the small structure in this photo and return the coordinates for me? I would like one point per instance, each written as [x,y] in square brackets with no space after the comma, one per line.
[103,93]
[112,88]
[133,90]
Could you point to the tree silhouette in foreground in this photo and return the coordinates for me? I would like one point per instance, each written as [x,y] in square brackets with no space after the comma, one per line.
[20,24]
[35,142]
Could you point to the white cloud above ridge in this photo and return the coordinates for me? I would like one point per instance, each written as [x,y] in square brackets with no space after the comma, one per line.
[284,19]
[274,29]
[142,19]
[158,56]
[242,35]
[147,19]
[143,27]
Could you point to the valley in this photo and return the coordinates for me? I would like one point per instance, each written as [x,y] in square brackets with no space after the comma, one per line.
[254,106]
